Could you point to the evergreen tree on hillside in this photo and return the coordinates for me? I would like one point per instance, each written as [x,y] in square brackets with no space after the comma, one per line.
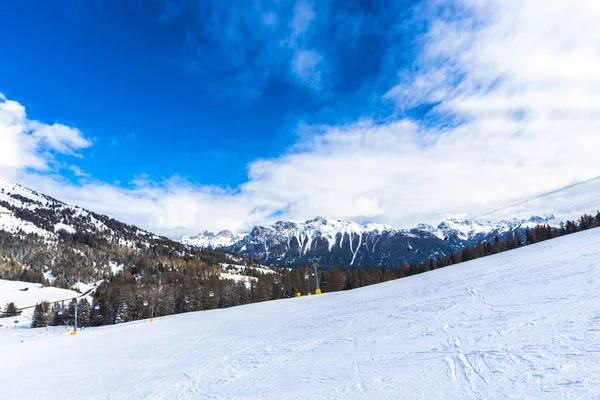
[119,310]
[529,239]
[40,317]
[57,314]
[95,314]
[69,315]
[83,312]
[10,310]
[570,227]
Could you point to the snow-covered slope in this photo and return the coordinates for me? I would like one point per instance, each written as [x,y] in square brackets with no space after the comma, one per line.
[14,291]
[523,324]
[344,242]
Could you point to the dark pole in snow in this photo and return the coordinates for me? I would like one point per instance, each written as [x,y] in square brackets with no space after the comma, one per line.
[315,262]
[75,300]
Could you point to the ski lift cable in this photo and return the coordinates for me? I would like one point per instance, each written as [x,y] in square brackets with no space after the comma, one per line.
[539,196]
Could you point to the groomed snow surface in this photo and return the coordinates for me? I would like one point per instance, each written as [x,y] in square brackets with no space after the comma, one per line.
[523,324]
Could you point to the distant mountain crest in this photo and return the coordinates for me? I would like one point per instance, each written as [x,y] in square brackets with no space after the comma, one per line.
[211,240]
[350,243]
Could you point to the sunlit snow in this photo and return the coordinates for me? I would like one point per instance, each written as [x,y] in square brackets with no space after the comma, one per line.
[520,324]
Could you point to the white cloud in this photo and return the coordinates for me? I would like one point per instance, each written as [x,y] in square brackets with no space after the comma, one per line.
[58,137]
[520,76]
[25,143]
[305,66]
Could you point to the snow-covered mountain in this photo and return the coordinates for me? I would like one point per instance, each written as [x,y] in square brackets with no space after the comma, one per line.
[68,244]
[211,240]
[24,211]
[349,243]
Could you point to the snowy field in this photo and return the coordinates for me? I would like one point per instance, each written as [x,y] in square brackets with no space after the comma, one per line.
[520,325]
[12,291]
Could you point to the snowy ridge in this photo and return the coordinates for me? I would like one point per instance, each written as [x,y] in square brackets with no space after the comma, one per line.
[319,228]
[523,324]
[470,229]
[304,233]
[347,242]
[211,240]
[23,210]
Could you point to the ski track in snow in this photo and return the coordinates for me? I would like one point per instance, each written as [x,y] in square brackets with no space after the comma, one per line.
[523,324]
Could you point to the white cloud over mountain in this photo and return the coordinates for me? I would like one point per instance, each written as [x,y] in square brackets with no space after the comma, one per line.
[514,87]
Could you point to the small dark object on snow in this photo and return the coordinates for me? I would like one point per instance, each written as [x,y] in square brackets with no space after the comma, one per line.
[24,289]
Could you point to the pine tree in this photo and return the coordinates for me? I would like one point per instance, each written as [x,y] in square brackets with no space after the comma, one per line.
[121,314]
[529,239]
[57,315]
[95,314]
[69,315]
[40,318]
[10,310]
[83,312]
[119,311]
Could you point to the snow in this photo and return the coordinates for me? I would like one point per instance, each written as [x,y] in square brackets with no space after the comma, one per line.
[523,324]
[31,200]
[235,272]
[10,291]
[115,267]
[84,287]
[12,224]
[239,268]
[64,227]
[239,278]
[308,232]
[210,240]
[49,275]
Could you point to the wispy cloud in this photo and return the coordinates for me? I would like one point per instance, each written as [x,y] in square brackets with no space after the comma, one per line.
[306,67]
[343,47]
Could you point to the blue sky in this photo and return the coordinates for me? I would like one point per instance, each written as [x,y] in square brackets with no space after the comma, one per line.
[186,115]
[199,89]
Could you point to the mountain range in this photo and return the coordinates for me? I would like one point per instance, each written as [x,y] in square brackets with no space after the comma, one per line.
[349,243]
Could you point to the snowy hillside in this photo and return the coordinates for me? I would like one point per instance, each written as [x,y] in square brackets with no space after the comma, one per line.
[523,324]
[24,295]
[26,211]
[346,242]
[76,246]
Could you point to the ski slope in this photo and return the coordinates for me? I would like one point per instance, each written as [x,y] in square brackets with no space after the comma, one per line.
[523,324]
